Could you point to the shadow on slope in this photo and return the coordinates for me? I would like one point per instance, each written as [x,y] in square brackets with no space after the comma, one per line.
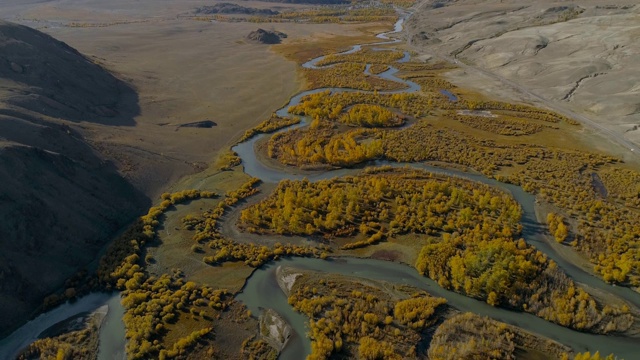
[60,205]
[60,201]
[41,74]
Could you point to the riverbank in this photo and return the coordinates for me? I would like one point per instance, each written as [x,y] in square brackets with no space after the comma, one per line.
[11,346]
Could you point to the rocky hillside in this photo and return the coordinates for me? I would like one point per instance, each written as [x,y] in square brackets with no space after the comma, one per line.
[229,8]
[266,37]
[60,201]
[580,54]
[314,2]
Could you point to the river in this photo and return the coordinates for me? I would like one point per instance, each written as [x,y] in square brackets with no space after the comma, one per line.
[262,291]
[111,336]
[533,232]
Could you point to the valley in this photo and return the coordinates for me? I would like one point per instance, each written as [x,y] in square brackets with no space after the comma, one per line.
[365,189]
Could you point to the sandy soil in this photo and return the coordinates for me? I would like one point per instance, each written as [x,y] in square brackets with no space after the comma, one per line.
[579,54]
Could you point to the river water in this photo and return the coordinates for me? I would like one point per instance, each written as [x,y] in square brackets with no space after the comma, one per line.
[112,332]
[262,290]
[111,346]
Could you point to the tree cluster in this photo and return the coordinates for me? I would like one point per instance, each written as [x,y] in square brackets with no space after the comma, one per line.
[348,75]
[365,56]
[270,125]
[152,305]
[229,160]
[321,145]
[587,356]
[349,319]
[622,185]
[76,344]
[469,336]
[376,116]
[608,231]
[475,249]
[557,227]
[400,201]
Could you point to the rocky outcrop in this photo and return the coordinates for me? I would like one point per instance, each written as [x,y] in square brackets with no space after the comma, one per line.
[266,37]
[229,8]
[286,278]
[274,329]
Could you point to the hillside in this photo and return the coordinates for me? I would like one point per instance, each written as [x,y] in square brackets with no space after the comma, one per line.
[229,8]
[42,74]
[577,54]
[61,202]
[266,36]
[310,2]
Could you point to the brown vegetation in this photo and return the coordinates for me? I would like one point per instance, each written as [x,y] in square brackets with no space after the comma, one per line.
[348,75]
[75,344]
[272,124]
[365,56]
[323,16]
[499,125]
[469,336]
[253,348]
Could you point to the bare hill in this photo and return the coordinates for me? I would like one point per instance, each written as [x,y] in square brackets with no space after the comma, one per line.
[310,2]
[229,8]
[582,55]
[42,74]
[60,201]
[266,36]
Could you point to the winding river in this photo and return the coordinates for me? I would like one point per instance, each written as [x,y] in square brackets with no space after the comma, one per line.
[111,335]
[262,290]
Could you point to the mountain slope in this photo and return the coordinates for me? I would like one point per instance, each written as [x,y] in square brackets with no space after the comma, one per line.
[60,202]
[42,74]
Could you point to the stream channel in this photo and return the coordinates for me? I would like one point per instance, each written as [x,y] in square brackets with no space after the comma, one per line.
[111,334]
[262,291]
